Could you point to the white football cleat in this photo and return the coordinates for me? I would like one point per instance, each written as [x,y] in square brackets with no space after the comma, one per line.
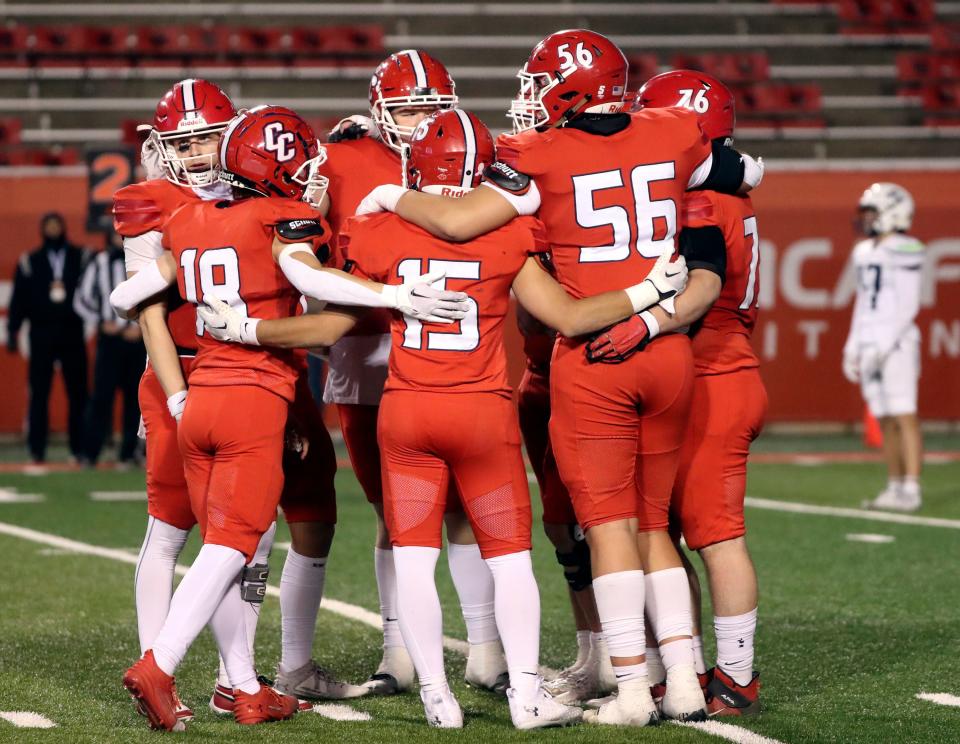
[312,682]
[442,709]
[540,711]
[683,699]
[608,677]
[578,686]
[894,499]
[487,667]
[633,706]
[597,703]
[395,673]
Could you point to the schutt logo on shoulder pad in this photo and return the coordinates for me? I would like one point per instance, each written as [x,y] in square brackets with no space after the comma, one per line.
[297,224]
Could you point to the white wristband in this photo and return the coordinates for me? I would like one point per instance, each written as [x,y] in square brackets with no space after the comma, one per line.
[752,170]
[176,403]
[653,325]
[248,331]
[643,295]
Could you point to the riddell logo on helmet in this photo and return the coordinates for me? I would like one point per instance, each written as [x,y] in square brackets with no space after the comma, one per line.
[192,121]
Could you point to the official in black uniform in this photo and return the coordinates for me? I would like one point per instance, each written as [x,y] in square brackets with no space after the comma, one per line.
[43,289]
[121,356]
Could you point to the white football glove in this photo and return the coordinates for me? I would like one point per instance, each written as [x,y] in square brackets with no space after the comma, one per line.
[418,299]
[176,403]
[871,363]
[383,198]
[224,323]
[153,167]
[851,367]
[666,280]
[752,170]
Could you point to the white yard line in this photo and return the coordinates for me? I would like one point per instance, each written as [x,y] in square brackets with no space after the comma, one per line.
[836,511]
[731,733]
[26,719]
[12,496]
[118,495]
[869,537]
[340,712]
[940,698]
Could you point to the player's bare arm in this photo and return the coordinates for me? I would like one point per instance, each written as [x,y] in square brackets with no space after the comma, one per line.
[703,289]
[161,349]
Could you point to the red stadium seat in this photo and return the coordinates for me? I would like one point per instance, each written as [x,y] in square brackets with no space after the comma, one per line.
[945,37]
[886,16]
[731,68]
[10,131]
[14,40]
[642,68]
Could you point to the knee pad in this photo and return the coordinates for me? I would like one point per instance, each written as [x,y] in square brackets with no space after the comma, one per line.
[253,583]
[576,564]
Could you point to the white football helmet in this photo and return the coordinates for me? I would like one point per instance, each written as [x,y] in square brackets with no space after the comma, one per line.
[894,207]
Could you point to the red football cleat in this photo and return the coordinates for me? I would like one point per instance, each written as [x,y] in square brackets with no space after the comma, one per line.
[154,693]
[263,707]
[221,701]
[726,698]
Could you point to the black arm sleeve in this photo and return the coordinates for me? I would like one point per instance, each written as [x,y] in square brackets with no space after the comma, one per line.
[726,172]
[705,248]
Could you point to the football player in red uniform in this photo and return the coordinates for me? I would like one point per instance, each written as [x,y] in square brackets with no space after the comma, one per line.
[180,159]
[447,410]
[406,87]
[729,399]
[255,254]
[608,186]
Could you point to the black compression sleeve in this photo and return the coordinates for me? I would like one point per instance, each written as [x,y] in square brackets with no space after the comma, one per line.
[726,172]
[705,248]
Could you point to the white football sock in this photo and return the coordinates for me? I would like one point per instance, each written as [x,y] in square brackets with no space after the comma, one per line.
[894,484]
[153,578]
[619,598]
[196,599]
[655,668]
[518,619]
[301,589]
[668,605]
[230,630]
[735,645]
[474,584]
[251,610]
[699,663]
[383,567]
[583,650]
[420,617]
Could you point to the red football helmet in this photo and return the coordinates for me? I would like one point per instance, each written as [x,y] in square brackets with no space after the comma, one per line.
[696,91]
[408,79]
[448,152]
[190,108]
[569,73]
[271,151]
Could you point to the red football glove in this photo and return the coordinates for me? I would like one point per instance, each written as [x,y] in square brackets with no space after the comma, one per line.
[619,342]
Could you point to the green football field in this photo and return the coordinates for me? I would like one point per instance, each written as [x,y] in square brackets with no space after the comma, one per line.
[850,631]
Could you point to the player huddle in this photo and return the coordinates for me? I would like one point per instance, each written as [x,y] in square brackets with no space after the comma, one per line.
[397,246]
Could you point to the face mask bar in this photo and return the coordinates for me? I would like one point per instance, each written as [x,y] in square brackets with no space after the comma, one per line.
[394,135]
[178,167]
[527,110]
[315,185]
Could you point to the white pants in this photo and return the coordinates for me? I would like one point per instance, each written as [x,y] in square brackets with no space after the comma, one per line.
[894,392]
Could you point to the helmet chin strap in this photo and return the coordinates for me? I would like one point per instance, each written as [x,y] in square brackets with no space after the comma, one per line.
[572,111]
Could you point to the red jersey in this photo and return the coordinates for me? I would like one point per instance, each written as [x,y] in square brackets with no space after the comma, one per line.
[467,356]
[225,249]
[141,208]
[355,168]
[721,342]
[610,203]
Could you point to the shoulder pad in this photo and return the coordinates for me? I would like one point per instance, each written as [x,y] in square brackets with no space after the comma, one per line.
[502,175]
[298,230]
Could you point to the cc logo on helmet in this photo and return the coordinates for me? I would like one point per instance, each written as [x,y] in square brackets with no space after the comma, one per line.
[421,131]
[279,141]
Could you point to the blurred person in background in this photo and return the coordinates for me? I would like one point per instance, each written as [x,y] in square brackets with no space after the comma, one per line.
[882,352]
[43,289]
[121,356]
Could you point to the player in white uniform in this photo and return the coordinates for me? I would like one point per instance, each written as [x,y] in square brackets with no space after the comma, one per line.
[882,352]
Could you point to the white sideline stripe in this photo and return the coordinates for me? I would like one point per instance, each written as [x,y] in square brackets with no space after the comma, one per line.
[118,495]
[836,511]
[940,698]
[339,712]
[869,537]
[345,609]
[729,732]
[11,496]
[26,719]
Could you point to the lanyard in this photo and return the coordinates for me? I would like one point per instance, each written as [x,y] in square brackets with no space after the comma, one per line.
[58,260]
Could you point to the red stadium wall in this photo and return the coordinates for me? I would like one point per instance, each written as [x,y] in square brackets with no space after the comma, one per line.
[806,234]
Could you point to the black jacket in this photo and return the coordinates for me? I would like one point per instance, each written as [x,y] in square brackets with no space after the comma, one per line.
[31,292]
